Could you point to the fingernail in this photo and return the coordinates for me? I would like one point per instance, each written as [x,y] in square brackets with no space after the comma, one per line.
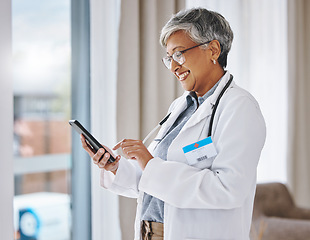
[101,150]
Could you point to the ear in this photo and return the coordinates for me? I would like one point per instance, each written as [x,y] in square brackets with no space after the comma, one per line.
[215,48]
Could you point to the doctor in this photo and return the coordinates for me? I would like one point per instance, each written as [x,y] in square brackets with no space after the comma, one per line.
[197,178]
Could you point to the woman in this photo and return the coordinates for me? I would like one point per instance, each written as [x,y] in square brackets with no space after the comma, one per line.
[188,185]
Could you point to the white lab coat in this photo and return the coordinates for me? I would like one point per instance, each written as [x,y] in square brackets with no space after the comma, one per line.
[214,198]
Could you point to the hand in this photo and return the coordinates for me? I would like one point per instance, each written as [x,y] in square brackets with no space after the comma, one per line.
[100,158]
[136,150]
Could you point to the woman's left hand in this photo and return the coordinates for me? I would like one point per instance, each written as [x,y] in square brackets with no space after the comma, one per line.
[136,150]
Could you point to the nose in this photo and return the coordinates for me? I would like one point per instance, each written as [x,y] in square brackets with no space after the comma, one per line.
[174,66]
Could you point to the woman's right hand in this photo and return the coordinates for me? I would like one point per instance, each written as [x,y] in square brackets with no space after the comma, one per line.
[100,158]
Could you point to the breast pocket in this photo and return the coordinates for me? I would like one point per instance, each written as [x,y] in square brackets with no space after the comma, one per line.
[204,163]
[200,153]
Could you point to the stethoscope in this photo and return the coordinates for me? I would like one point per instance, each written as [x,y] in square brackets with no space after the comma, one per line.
[212,115]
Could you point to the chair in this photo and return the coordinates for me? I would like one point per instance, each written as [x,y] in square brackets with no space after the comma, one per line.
[276,217]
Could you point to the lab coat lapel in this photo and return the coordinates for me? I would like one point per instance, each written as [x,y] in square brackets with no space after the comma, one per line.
[180,107]
[205,110]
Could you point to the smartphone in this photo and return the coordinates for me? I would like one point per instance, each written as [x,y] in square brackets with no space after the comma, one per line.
[77,126]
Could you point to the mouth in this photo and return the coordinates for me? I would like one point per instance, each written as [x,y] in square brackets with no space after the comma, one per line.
[183,75]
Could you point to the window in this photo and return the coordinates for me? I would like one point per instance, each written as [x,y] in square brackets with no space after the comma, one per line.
[42,108]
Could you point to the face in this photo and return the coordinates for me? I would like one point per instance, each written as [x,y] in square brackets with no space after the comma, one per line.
[196,73]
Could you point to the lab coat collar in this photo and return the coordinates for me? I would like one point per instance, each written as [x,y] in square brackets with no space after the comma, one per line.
[179,108]
[202,112]
[205,109]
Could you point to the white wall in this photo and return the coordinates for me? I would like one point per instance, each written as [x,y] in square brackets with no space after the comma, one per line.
[6,123]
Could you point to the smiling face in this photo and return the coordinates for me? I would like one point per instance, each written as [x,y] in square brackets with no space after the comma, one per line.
[198,73]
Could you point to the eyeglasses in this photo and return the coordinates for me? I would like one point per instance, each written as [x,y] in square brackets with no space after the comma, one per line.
[178,56]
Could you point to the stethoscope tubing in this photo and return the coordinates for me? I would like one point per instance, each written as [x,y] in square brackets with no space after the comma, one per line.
[212,115]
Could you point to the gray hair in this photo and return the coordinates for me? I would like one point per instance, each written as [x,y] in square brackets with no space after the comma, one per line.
[201,25]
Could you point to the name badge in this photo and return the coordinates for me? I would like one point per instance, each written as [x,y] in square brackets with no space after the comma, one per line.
[199,151]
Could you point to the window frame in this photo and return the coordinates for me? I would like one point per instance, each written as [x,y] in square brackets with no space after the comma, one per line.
[80,102]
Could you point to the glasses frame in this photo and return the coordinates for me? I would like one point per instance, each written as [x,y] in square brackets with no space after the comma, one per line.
[181,52]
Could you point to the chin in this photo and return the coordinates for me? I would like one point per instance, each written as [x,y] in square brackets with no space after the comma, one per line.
[188,87]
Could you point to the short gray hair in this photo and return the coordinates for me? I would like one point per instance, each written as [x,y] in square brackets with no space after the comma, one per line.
[201,25]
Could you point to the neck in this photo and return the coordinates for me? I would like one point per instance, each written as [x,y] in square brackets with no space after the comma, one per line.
[213,78]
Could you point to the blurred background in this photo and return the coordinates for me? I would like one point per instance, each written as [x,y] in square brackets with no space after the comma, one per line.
[84,58]
[41,43]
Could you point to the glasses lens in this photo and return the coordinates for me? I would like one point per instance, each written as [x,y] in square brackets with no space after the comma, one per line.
[167,62]
[178,57]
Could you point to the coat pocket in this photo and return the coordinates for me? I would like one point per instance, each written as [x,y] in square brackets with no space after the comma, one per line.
[206,163]
[200,151]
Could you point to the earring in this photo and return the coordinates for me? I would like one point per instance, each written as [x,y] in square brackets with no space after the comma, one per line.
[214,61]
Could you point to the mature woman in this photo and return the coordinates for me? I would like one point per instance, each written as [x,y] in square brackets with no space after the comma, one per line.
[197,178]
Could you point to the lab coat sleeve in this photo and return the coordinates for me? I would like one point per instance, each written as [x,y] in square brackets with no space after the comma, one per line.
[126,180]
[239,135]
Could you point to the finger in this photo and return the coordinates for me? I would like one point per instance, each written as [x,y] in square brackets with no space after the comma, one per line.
[129,149]
[113,166]
[98,156]
[104,160]
[86,146]
[132,144]
[118,157]
[134,153]
[117,146]
[126,142]
[104,163]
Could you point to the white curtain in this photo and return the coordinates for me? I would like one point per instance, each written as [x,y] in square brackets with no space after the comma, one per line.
[258,61]
[299,99]
[130,92]
[145,88]
[104,37]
